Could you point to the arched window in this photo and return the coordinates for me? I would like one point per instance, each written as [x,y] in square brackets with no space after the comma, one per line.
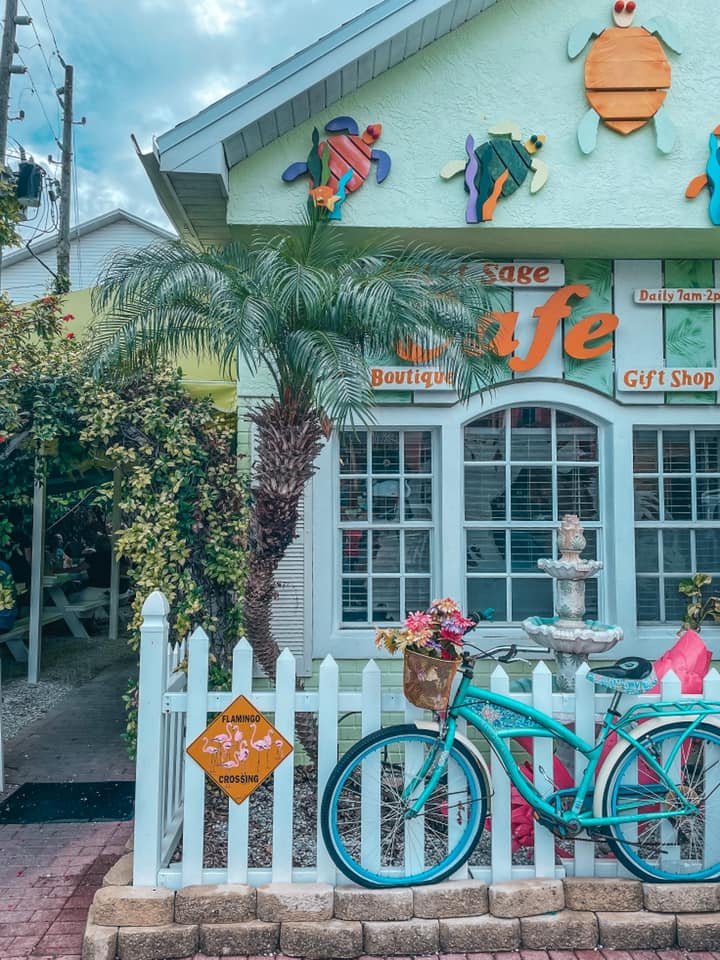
[524,468]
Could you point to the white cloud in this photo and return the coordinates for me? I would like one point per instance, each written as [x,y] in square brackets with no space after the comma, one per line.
[219,16]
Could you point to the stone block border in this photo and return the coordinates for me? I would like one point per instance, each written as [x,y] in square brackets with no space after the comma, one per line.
[320,922]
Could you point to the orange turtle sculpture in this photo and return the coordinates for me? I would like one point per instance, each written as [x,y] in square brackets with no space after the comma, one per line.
[627,75]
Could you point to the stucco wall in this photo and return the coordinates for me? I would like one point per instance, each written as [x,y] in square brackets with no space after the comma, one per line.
[511,63]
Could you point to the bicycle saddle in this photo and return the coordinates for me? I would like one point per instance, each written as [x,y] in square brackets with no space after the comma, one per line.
[629,675]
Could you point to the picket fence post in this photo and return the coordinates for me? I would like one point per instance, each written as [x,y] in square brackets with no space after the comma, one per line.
[584,852]
[196,722]
[284,776]
[500,836]
[370,784]
[711,692]
[238,813]
[149,778]
[543,770]
[328,690]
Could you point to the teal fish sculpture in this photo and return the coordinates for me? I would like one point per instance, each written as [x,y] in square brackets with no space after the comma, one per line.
[709,179]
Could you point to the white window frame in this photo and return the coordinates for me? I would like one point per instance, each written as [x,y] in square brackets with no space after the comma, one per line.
[615,423]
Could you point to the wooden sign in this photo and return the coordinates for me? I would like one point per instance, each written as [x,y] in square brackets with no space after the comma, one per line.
[523,274]
[669,380]
[675,295]
[239,750]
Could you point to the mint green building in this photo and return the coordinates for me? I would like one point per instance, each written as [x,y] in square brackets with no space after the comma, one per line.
[610,290]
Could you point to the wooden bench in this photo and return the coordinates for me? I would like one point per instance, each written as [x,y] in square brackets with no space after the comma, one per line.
[13,638]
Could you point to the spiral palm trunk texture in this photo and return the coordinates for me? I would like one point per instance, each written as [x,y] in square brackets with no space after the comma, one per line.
[288,441]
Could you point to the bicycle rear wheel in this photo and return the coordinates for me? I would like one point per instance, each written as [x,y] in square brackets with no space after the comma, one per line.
[685,847]
[364,815]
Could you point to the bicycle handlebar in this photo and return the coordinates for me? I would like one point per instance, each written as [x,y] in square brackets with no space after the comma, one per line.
[511,651]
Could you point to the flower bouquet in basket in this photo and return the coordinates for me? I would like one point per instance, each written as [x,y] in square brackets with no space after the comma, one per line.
[431,643]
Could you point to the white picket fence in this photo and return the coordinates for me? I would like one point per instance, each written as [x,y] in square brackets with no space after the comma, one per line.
[170,795]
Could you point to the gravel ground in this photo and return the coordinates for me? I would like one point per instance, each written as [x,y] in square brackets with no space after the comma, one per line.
[67,663]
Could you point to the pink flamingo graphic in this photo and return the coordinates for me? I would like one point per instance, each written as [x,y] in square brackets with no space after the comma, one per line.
[242,753]
[209,748]
[264,743]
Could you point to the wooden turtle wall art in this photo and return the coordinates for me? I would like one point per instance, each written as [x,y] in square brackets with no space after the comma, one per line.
[339,165]
[709,179]
[627,74]
[496,168]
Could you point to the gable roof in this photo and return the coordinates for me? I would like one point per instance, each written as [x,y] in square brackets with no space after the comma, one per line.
[82,230]
[188,166]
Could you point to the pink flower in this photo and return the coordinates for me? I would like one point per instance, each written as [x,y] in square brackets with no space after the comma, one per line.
[418,621]
[68,316]
[70,336]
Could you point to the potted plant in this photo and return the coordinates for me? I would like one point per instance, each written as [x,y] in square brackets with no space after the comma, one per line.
[431,643]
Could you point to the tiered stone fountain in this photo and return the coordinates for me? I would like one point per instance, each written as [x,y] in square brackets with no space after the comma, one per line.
[571,638]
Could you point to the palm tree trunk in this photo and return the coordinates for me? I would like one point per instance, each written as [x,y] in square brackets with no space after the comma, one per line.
[289,439]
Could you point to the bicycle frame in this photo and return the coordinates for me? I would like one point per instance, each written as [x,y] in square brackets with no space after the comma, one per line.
[532,723]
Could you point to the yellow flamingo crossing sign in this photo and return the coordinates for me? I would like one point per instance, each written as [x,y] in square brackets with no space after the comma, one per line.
[239,749]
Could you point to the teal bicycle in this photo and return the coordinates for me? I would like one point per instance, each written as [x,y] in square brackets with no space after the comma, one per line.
[407,804]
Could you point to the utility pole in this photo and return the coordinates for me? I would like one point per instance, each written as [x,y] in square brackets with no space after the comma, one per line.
[7,68]
[65,95]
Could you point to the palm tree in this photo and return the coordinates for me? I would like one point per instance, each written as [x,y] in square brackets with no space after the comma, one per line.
[311,313]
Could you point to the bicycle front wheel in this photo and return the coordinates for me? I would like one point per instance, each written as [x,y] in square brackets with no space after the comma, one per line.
[365,809]
[683,847]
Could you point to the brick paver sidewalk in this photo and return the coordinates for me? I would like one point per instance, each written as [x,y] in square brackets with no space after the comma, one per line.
[49,872]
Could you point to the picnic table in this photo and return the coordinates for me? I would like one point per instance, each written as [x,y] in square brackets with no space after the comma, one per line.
[57,605]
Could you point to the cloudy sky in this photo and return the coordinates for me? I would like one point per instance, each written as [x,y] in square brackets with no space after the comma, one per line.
[141,66]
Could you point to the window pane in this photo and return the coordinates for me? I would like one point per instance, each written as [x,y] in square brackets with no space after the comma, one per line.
[354,601]
[353,500]
[647,500]
[353,452]
[386,500]
[527,547]
[591,599]
[576,438]
[483,593]
[678,498]
[418,499]
[645,459]
[484,493]
[417,551]
[707,451]
[578,492]
[531,493]
[532,442]
[386,551]
[646,551]
[386,600]
[485,551]
[385,452]
[708,499]
[418,452]
[648,600]
[675,602]
[532,598]
[591,545]
[354,551]
[707,549]
[485,438]
[676,451]
[676,551]
[417,594]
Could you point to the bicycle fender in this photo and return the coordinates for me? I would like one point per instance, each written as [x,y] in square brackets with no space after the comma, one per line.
[435,728]
[648,726]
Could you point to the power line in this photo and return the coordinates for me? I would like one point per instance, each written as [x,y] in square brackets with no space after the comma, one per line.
[33,88]
[39,44]
[52,32]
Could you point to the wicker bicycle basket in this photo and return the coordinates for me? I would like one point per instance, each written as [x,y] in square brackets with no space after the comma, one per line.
[427,680]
